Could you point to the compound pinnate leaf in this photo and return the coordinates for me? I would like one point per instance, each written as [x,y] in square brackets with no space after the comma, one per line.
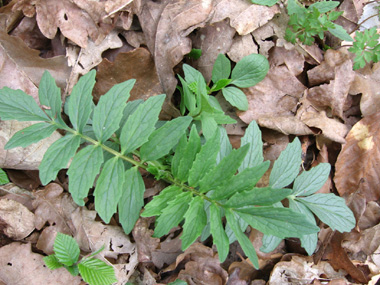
[195,221]
[179,152]
[140,125]
[30,135]
[83,170]
[224,170]
[162,140]
[50,95]
[57,157]
[96,272]
[109,188]
[250,70]
[129,109]
[109,110]
[243,181]
[221,69]
[286,167]
[16,105]
[236,97]
[243,240]
[132,199]
[311,181]
[255,155]
[204,160]
[80,103]
[258,196]
[219,236]
[52,262]
[66,249]
[173,214]
[280,222]
[331,210]
[160,201]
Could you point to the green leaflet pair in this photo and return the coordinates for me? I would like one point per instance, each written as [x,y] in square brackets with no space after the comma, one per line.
[203,184]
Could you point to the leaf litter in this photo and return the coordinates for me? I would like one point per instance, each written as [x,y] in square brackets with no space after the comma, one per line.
[308,92]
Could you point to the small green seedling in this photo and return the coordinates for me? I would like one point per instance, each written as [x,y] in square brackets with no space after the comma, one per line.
[66,254]
[366,47]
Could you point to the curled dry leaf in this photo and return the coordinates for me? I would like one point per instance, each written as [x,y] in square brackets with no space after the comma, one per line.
[28,158]
[357,166]
[367,242]
[18,219]
[145,243]
[242,46]
[19,265]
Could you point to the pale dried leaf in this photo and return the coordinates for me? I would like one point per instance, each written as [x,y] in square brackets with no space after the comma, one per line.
[145,243]
[357,164]
[18,219]
[241,47]
[368,241]
[19,265]
[285,124]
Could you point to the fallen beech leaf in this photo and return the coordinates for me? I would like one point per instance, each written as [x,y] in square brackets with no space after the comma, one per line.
[137,64]
[145,243]
[167,252]
[367,241]
[13,192]
[19,265]
[285,124]
[293,59]
[370,217]
[16,227]
[28,158]
[241,47]
[27,179]
[356,166]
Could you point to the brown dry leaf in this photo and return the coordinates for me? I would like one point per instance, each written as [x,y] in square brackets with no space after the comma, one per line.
[19,265]
[244,16]
[302,270]
[18,219]
[145,243]
[256,237]
[212,40]
[368,85]
[22,68]
[367,242]
[241,273]
[167,252]
[166,26]
[241,47]
[337,70]
[357,167]
[137,64]
[28,158]
[13,192]
[28,179]
[370,217]
[285,124]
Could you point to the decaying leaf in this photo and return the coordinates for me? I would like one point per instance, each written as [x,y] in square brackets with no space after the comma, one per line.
[241,47]
[18,219]
[19,265]
[357,165]
[145,243]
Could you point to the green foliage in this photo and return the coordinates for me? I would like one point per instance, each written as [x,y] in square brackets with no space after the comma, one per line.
[66,254]
[3,177]
[207,179]
[306,23]
[366,47]
[268,3]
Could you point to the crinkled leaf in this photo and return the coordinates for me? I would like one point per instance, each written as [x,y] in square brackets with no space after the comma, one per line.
[57,157]
[16,105]
[109,187]
[204,160]
[340,33]
[220,174]
[243,181]
[83,170]
[80,103]
[66,249]
[236,97]
[52,262]
[221,69]
[280,222]
[173,214]
[109,110]
[219,236]
[96,272]
[308,182]
[250,70]
[160,201]
[195,221]
[287,166]
[141,124]
[243,240]
[50,95]
[331,210]
[132,199]
[257,196]
[3,177]
[255,155]
[30,135]
[164,139]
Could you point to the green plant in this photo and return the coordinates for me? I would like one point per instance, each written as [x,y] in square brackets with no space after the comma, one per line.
[203,187]
[196,100]
[3,177]
[306,23]
[366,47]
[66,254]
